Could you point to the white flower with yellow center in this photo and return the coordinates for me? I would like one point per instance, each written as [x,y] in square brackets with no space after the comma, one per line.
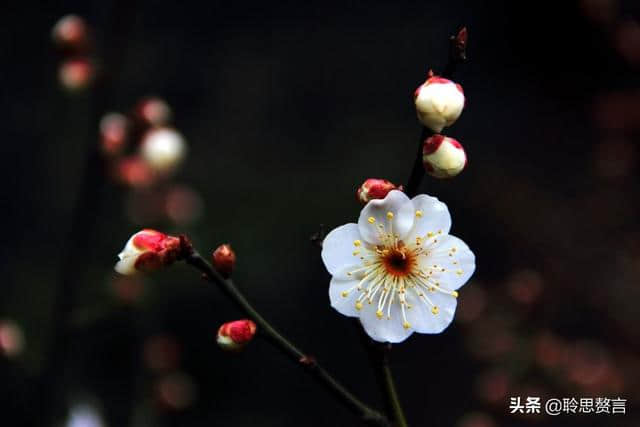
[398,269]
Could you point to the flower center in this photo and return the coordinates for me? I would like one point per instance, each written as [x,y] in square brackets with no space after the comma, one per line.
[398,261]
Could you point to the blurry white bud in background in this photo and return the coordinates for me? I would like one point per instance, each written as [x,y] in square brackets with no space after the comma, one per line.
[163,149]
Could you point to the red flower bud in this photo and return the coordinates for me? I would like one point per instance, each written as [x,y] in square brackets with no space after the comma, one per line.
[224,260]
[153,112]
[70,32]
[75,74]
[374,188]
[11,339]
[234,336]
[148,250]
[113,133]
[134,172]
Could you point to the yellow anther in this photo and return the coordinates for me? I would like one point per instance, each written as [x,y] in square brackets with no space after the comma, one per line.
[419,214]
[358,305]
[439,231]
[356,252]
[459,272]
[357,243]
[455,294]
[435,309]
[389,215]
[430,234]
[432,289]
[418,240]
[379,314]
[345,294]
[371,220]
[453,249]
[406,325]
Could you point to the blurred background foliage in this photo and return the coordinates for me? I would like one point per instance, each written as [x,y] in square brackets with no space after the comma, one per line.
[287,107]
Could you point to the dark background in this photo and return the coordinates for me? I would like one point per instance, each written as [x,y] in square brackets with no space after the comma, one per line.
[287,108]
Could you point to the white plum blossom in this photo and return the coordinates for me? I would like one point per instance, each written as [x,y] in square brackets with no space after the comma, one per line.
[398,269]
[439,103]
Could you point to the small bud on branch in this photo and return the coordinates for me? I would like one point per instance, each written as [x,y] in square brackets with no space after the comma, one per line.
[148,250]
[374,188]
[224,260]
[443,157]
[234,336]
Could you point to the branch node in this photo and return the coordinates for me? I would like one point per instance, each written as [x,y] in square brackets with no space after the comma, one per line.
[308,361]
[186,247]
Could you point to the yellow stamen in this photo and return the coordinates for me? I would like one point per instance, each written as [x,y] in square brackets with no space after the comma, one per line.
[357,243]
[435,309]
[371,220]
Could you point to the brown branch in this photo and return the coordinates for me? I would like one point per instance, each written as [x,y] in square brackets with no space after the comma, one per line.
[309,363]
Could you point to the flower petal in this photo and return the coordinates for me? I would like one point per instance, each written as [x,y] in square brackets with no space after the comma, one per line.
[127,263]
[454,256]
[431,216]
[384,330]
[344,304]
[338,248]
[373,218]
[421,317]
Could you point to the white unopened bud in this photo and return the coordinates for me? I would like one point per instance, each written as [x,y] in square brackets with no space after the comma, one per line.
[439,103]
[163,149]
[443,157]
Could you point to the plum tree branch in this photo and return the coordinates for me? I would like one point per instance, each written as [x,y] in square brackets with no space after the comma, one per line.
[368,414]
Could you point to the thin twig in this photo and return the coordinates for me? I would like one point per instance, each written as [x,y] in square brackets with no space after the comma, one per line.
[369,415]
[392,394]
